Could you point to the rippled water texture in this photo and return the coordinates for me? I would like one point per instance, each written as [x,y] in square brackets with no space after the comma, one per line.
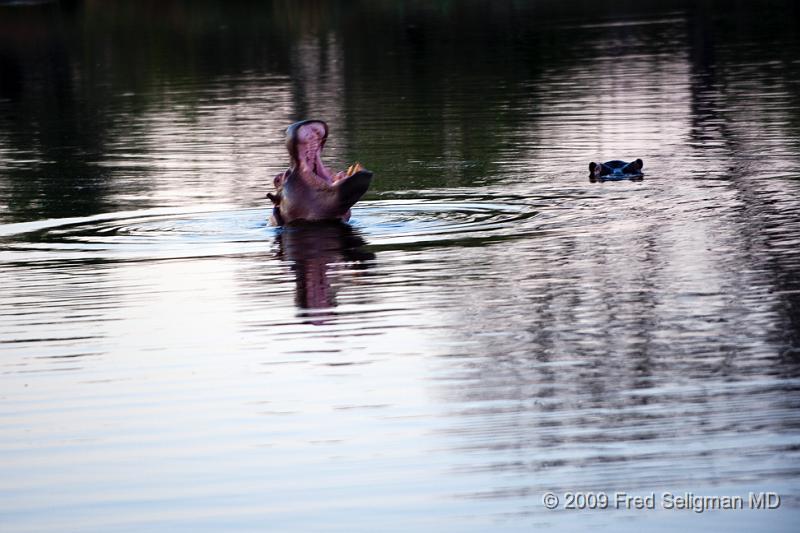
[489,326]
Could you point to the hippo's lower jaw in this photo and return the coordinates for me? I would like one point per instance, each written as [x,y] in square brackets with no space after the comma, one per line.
[304,198]
[309,191]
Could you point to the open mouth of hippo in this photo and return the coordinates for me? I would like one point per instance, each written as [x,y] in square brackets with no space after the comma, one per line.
[308,190]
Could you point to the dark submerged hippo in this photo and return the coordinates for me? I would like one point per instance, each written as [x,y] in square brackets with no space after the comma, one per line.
[307,191]
[616,170]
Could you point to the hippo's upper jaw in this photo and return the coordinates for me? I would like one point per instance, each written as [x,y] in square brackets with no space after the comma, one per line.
[616,170]
[308,190]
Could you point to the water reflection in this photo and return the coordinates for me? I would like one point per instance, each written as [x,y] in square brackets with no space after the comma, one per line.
[321,253]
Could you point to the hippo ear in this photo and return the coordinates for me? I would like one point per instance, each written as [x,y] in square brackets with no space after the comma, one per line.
[633,167]
[277,181]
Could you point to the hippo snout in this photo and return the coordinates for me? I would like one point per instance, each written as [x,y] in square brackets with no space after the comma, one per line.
[616,169]
[352,188]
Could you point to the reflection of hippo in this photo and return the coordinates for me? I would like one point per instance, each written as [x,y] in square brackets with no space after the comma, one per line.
[309,191]
[319,252]
[616,170]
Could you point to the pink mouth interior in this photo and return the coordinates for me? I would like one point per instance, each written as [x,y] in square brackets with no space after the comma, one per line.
[310,140]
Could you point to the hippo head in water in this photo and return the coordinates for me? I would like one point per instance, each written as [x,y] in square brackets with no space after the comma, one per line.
[615,170]
[307,190]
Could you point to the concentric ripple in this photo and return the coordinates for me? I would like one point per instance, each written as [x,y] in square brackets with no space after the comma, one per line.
[160,234]
[426,221]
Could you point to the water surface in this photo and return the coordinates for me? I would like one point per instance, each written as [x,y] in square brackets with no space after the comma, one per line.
[490,325]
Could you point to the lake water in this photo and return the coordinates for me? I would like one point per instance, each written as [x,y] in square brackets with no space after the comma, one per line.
[489,327]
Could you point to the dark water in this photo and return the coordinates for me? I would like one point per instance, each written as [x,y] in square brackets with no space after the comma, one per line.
[490,326]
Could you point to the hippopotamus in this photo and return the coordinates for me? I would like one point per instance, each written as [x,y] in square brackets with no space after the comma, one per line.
[615,170]
[307,190]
